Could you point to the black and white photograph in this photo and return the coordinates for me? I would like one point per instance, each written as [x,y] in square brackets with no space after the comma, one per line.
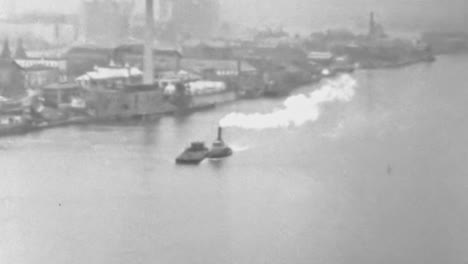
[233,132]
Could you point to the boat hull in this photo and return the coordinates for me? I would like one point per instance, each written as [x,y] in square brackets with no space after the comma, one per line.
[220,153]
[203,101]
[192,157]
[105,104]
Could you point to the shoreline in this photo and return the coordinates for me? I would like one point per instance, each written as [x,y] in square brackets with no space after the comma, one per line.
[89,120]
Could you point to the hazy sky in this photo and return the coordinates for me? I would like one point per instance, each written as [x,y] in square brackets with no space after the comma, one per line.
[310,13]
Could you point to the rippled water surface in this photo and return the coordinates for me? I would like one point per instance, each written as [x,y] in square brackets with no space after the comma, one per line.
[381,179]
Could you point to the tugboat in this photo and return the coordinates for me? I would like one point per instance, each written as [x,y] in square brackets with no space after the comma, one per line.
[194,154]
[219,149]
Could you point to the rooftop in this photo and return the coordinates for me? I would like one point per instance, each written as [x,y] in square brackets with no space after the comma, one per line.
[61,86]
[200,65]
[161,49]
[101,73]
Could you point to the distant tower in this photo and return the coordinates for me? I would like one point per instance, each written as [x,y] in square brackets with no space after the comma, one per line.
[20,52]
[6,53]
[376,30]
[371,25]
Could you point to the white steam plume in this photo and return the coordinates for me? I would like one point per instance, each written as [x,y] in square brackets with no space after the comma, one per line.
[298,109]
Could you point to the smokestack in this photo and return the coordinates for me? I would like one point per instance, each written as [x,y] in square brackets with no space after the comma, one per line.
[371,23]
[220,133]
[148,77]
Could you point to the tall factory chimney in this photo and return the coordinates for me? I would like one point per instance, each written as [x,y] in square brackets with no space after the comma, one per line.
[148,77]
[371,24]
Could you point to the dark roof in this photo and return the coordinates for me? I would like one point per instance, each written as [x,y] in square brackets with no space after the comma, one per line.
[39,67]
[4,63]
[95,50]
[140,88]
[6,53]
[200,65]
[138,48]
[62,86]
[20,52]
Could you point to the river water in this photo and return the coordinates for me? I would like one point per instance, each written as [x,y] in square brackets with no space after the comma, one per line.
[380,179]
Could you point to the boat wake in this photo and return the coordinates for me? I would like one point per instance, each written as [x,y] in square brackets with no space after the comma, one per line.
[239,148]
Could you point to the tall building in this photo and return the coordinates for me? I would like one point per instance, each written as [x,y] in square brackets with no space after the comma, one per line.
[11,75]
[105,21]
[198,18]
[376,31]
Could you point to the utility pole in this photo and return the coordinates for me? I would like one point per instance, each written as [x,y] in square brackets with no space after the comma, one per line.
[148,77]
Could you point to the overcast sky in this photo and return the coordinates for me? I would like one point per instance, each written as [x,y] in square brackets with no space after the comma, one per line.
[309,13]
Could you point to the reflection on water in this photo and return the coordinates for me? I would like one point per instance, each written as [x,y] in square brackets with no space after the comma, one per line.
[381,179]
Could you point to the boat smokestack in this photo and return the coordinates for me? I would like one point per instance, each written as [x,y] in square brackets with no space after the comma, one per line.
[220,133]
[148,77]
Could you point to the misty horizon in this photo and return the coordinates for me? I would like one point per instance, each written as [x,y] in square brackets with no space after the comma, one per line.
[305,15]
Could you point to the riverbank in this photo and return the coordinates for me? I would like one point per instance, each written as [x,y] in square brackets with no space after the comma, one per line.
[35,126]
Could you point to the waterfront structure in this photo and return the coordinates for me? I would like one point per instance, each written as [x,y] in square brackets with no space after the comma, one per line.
[118,92]
[239,75]
[81,59]
[40,72]
[12,83]
[110,78]
[37,76]
[320,57]
[218,69]
[446,42]
[64,96]
[276,53]
[281,67]
[165,78]
[200,94]
[217,50]
[163,58]
[281,78]
[131,101]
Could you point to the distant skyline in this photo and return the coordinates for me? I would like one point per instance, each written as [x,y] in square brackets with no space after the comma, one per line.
[308,13]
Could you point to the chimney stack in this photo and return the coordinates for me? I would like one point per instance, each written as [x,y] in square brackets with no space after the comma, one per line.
[220,133]
[371,24]
[148,77]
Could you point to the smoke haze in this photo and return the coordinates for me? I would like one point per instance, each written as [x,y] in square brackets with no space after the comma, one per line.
[411,14]
[298,109]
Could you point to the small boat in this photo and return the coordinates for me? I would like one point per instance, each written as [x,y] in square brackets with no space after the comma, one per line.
[14,124]
[219,149]
[14,129]
[194,154]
